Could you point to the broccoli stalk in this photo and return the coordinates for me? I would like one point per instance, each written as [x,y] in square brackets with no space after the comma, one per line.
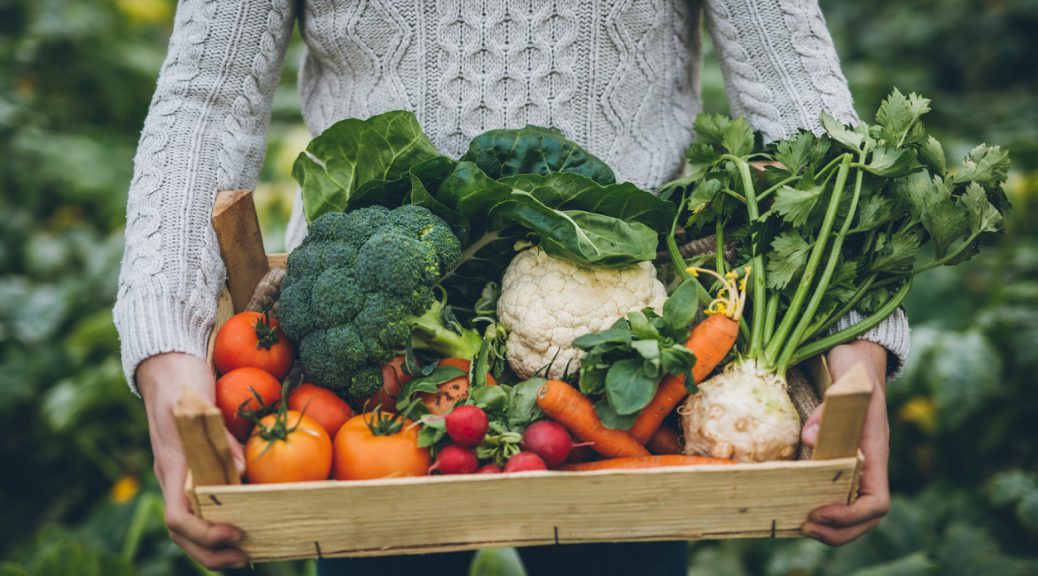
[438,331]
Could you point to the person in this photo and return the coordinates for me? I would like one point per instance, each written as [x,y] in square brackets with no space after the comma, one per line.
[619,77]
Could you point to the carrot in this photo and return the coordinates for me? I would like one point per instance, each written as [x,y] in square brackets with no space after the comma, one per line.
[710,341]
[567,406]
[665,441]
[645,462]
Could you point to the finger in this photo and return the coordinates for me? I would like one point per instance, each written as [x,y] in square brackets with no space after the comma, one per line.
[213,559]
[809,435]
[838,536]
[237,453]
[865,509]
[181,522]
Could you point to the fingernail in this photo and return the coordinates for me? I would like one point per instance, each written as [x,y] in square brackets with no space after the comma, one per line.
[815,517]
[811,432]
[237,536]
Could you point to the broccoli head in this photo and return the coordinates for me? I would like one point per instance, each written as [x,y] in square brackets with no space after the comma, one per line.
[361,285]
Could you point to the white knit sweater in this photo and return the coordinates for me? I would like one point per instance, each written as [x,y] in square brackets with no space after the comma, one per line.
[619,77]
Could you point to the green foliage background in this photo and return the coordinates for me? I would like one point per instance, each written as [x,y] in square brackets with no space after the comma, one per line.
[78,495]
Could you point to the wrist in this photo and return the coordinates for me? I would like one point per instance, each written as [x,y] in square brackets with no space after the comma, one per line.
[161,377]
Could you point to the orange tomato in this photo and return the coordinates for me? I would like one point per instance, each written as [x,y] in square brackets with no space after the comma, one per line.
[294,450]
[452,391]
[363,454]
[236,393]
[322,405]
[253,339]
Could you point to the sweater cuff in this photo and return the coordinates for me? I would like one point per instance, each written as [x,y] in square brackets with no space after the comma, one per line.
[150,324]
[892,334]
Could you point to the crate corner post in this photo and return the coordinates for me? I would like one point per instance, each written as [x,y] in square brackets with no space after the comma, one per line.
[846,405]
[204,441]
[241,243]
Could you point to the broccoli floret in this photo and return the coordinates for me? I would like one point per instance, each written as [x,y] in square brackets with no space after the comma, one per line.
[360,286]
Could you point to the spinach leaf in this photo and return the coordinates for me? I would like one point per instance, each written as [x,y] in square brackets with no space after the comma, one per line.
[534,150]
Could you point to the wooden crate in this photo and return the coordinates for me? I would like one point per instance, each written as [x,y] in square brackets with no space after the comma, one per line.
[445,513]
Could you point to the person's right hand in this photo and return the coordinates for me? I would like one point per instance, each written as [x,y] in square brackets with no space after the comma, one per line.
[160,379]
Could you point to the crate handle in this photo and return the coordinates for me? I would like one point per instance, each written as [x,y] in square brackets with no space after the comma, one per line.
[846,404]
[204,440]
[241,243]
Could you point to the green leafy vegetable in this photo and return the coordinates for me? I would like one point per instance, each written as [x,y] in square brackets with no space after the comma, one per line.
[627,360]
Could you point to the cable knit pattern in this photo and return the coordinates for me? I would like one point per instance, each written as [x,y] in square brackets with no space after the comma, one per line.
[619,77]
[205,131]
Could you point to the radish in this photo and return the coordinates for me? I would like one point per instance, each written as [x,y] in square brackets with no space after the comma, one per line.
[454,459]
[489,469]
[467,425]
[525,461]
[549,440]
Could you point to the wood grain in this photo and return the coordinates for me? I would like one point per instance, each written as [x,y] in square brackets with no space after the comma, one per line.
[846,404]
[440,513]
[205,441]
[241,243]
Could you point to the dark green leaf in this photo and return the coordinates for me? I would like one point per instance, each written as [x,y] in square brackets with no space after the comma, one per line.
[575,192]
[490,398]
[627,386]
[641,326]
[534,150]
[795,205]
[898,254]
[790,252]
[523,408]
[616,335]
[680,308]
[799,151]
[610,419]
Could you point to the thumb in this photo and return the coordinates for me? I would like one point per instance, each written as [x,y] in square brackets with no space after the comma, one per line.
[238,453]
[809,435]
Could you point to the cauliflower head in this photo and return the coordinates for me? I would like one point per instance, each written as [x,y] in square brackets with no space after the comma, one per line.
[546,303]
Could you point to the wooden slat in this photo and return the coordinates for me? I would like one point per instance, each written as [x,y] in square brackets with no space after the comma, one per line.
[205,441]
[241,243]
[279,260]
[224,311]
[441,513]
[846,404]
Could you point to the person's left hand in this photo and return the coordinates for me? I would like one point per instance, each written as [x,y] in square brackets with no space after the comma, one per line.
[839,524]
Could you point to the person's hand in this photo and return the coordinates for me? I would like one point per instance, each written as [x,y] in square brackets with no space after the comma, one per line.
[160,379]
[841,523]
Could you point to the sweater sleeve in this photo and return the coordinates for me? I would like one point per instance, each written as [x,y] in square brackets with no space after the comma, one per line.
[205,131]
[781,71]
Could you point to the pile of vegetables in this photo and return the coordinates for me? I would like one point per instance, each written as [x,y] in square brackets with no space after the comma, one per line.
[508,311]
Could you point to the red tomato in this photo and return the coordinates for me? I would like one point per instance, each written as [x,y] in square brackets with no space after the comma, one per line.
[322,405]
[298,450]
[452,391]
[236,394]
[252,339]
